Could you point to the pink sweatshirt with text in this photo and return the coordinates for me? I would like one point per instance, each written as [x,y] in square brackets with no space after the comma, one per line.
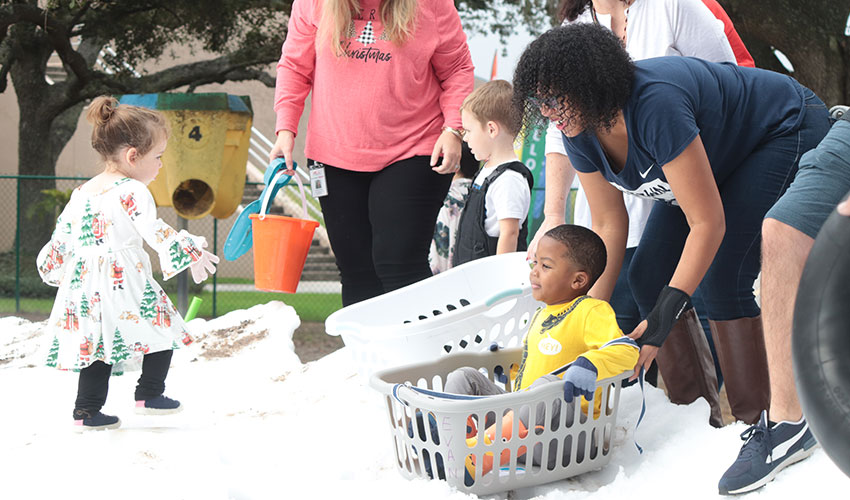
[379,102]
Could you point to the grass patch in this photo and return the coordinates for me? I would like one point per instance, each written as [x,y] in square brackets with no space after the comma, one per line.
[309,306]
[233,281]
[28,305]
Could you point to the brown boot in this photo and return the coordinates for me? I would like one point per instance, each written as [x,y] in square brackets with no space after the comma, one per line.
[739,344]
[687,368]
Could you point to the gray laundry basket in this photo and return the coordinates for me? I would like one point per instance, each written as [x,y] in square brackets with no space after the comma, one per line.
[430,433]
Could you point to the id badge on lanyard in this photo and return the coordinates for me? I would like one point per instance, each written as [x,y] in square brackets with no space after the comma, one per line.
[318,183]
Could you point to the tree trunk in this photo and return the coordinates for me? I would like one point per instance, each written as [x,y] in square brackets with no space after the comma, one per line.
[810,34]
[35,154]
[35,158]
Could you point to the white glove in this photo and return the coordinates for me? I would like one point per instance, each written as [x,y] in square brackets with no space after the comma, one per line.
[204,266]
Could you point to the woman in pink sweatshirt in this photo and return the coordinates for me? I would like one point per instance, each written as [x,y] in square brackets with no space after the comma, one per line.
[388,78]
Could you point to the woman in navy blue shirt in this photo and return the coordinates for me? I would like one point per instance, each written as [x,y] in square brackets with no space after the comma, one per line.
[716,145]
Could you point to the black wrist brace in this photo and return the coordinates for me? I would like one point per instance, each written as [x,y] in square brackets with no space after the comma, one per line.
[669,307]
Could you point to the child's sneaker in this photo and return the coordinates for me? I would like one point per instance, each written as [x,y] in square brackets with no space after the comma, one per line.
[85,420]
[766,451]
[160,405]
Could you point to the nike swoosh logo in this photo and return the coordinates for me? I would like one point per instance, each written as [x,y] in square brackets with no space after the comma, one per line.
[782,450]
[644,174]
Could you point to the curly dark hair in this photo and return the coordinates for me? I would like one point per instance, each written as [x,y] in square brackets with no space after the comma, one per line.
[582,246]
[583,68]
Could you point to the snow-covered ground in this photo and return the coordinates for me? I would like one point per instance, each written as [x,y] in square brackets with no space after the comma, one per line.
[259,424]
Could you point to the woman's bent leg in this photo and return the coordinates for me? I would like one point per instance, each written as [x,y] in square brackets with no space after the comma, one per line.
[684,360]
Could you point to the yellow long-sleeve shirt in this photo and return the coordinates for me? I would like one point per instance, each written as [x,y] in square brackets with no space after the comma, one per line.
[583,327]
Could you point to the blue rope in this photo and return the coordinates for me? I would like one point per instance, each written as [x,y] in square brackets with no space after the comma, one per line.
[642,409]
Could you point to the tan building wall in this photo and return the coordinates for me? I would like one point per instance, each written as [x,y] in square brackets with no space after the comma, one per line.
[79,160]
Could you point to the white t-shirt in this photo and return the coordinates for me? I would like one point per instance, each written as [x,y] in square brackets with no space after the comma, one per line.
[508,197]
[656,28]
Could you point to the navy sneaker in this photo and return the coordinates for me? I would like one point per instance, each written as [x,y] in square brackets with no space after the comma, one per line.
[766,451]
[160,405]
[85,420]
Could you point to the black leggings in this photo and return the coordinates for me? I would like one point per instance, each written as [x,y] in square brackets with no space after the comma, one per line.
[380,224]
[94,381]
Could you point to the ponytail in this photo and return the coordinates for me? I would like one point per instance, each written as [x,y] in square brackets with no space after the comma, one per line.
[118,126]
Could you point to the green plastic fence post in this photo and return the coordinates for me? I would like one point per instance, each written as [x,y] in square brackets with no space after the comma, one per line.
[215,251]
[18,248]
[193,308]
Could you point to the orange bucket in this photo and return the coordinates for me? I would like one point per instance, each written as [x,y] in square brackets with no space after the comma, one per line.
[280,251]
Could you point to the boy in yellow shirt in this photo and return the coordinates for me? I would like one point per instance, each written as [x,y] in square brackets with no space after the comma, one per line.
[572,328]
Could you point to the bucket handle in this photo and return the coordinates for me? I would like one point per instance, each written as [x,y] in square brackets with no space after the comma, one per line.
[272,188]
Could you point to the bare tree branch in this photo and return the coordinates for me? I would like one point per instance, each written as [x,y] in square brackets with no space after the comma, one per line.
[90,49]
[240,74]
[219,70]
[211,70]
[56,31]
[84,8]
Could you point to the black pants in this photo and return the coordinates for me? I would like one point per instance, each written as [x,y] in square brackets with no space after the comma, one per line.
[380,225]
[94,381]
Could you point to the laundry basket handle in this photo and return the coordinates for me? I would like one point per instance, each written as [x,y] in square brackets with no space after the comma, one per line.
[503,295]
[431,394]
[338,329]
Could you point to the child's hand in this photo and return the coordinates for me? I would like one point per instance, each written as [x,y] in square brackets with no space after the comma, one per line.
[204,266]
[580,380]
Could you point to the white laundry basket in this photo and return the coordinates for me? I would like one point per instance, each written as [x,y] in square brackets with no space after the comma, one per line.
[466,308]
[429,434]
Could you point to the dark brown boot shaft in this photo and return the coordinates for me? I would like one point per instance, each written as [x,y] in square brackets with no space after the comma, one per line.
[743,360]
[687,367]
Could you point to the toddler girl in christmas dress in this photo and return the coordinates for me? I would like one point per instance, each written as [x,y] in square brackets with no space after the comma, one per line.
[110,315]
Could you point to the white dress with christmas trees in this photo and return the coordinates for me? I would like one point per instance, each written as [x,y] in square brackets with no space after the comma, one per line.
[108,306]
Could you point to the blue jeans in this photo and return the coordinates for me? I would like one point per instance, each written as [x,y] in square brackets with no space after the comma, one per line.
[747,194]
[622,300]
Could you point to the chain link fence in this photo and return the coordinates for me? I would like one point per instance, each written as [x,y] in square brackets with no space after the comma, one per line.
[32,204]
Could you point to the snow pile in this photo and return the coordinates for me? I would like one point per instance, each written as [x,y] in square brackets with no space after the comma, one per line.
[21,343]
[259,425]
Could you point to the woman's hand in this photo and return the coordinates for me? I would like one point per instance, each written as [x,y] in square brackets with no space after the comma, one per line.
[283,146]
[647,352]
[447,146]
[653,331]
[548,223]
